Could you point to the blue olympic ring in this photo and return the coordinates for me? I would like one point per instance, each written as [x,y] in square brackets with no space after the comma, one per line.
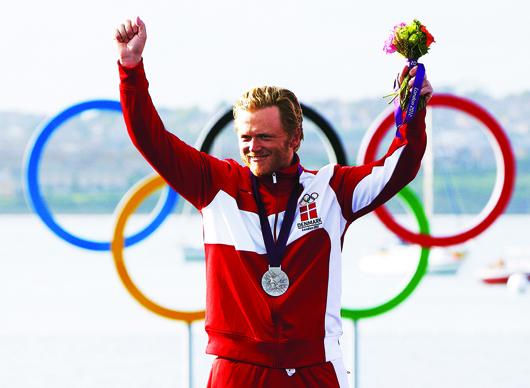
[36,200]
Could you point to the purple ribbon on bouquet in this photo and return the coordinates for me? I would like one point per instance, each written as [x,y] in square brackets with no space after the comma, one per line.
[414,96]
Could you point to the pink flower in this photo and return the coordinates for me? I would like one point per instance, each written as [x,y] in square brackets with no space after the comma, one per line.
[400,25]
[389,47]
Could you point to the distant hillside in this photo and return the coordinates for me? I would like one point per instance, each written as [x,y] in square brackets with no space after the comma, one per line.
[89,162]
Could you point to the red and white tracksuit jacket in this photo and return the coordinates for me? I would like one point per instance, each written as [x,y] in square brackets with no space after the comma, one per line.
[301,327]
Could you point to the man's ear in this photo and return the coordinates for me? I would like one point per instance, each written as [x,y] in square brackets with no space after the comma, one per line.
[296,139]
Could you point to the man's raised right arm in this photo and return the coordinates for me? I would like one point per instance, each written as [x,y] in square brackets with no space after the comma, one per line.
[195,175]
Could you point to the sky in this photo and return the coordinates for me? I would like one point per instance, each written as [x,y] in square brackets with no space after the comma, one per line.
[203,52]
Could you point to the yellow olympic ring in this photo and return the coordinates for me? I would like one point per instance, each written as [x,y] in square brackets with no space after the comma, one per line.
[130,202]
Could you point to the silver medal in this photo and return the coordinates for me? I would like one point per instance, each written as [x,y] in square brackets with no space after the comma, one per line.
[275,282]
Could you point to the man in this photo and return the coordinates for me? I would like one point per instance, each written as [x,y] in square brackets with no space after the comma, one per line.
[272,230]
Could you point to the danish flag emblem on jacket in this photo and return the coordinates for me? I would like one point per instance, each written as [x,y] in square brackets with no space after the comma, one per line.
[308,207]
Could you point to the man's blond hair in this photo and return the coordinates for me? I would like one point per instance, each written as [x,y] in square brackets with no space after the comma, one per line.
[266,96]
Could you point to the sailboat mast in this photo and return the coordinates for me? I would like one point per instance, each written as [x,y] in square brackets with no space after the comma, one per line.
[428,168]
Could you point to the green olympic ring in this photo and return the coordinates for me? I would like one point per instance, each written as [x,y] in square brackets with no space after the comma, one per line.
[413,202]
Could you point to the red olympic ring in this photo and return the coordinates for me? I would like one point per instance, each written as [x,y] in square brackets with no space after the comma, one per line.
[502,191]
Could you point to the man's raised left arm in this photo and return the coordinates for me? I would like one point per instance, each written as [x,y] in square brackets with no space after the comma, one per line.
[361,189]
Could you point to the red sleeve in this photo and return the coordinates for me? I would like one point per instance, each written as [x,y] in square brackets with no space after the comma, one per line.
[361,189]
[195,175]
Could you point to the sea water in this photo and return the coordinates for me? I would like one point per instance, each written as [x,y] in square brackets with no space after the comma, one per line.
[66,320]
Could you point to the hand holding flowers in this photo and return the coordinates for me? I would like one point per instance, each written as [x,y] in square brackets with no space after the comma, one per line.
[412,41]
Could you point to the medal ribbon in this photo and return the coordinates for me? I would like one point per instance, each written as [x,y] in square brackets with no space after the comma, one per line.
[414,95]
[276,250]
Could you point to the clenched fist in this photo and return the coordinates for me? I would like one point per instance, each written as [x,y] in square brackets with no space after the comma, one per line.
[130,39]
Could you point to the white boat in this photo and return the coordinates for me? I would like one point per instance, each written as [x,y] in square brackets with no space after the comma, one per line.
[500,271]
[403,259]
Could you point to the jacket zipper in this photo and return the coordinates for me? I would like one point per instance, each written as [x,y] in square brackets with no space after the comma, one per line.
[274,181]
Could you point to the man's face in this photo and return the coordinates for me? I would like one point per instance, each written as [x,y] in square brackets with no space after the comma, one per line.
[264,145]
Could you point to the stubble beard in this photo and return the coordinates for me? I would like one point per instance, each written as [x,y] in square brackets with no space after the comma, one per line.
[256,169]
[275,161]
[274,164]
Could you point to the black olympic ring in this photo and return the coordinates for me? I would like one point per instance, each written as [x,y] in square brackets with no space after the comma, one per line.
[210,132]
[309,198]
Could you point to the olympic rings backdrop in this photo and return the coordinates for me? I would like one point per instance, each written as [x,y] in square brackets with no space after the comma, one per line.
[504,184]
[335,151]
[34,196]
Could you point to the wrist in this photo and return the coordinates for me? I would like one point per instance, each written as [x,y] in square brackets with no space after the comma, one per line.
[130,61]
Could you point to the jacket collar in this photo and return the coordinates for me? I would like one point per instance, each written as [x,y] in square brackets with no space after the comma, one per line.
[285,174]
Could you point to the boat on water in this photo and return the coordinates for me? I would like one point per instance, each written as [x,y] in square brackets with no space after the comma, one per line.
[403,259]
[500,271]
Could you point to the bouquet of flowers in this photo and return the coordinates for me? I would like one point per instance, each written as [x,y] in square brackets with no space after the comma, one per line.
[412,41]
